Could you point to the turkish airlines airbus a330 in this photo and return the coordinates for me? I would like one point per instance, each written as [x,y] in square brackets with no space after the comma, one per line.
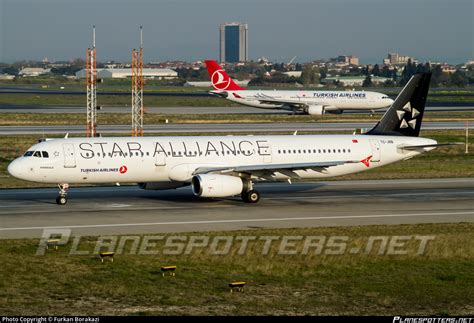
[223,166]
[308,102]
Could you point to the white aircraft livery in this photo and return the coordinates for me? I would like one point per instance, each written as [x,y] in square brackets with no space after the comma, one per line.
[308,102]
[224,166]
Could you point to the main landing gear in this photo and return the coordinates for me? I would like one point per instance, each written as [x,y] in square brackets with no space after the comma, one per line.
[62,197]
[249,195]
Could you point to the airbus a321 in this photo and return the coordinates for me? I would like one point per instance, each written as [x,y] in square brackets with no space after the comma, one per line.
[225,166]
[307,102]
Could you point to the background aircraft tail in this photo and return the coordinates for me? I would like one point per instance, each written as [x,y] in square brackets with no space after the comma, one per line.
[404,117]
[219,78]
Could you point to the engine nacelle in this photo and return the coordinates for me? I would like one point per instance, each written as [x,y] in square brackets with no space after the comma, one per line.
[157,186]
[315,110]
[215,185]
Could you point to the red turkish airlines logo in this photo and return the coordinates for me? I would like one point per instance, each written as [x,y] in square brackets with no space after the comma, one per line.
[220,80]
[366,161]
[123,169]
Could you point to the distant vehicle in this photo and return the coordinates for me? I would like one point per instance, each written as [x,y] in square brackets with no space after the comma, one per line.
[223,166]
[62,87]
[307,102]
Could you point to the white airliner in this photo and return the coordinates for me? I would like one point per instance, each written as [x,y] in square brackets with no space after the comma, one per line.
[224,166]
[308,102]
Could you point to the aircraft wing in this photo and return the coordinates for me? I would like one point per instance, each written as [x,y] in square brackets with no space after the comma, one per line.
[267,170]
[292,103]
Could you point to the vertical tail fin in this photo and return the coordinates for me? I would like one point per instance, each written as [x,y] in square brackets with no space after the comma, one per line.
[219,78]
[404,117]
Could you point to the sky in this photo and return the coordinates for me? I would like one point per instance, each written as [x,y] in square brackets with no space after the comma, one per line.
[436,30]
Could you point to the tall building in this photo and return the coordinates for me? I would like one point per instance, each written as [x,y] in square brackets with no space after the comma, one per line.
[351,59]
[397,59]
[233,42]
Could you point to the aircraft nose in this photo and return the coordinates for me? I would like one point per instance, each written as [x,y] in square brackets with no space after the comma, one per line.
[390,101]
[14,169]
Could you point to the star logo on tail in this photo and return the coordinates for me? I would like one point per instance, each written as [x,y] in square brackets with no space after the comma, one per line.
[407,116]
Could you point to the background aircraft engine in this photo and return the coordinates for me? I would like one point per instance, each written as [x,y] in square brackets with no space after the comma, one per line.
[315,110]
[214,185]
[161,185]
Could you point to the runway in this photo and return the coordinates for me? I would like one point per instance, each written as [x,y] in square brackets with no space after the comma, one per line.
[181,128]
[197,110]
[129,210]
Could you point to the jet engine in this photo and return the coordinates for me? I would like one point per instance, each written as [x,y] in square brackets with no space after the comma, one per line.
[315,110]
[157,186]
[215,185]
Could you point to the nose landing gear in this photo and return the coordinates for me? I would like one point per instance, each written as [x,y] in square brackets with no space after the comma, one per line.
[62,197]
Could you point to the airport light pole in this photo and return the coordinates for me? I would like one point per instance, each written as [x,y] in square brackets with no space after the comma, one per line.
[137,89]
[91,81]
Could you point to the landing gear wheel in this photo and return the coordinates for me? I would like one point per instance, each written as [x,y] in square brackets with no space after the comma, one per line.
[251,196]
[62,197]
[61,200]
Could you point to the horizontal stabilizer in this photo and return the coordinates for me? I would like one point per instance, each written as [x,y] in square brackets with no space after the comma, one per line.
[416,147]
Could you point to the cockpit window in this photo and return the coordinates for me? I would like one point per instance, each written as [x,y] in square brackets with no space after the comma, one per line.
[39,154]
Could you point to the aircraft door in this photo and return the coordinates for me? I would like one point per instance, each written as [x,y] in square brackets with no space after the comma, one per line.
[375,144]
[266,152]
[160,158]
[69,156]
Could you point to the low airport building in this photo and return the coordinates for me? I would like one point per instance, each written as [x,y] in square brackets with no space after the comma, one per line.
[209,84]
[151,73]
[34,71]
[4,77]
[355,80]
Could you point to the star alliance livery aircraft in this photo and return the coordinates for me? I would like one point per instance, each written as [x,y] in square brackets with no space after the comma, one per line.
[308,102]
[224,166]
